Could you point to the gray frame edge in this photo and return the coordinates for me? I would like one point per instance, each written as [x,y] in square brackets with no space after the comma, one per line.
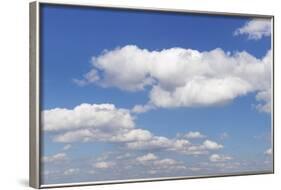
[34,93]
[34,133]
[146,8]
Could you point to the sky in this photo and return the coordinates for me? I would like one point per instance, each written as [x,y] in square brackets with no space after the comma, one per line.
[141,94]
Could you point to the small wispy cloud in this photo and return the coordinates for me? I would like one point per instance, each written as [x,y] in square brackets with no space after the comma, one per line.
[219,158]
[194,135]
[268,151]
[55,157]
[147,157]
[67,147]
[104,165]
[255,29]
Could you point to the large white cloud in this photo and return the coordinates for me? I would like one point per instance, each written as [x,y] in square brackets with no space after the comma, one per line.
[178,77]
[255,29]
[106,123]
[95,116]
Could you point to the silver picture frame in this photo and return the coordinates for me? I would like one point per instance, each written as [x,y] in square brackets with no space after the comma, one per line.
[34,97]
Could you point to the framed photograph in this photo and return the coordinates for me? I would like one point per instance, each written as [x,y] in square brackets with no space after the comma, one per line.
[134,94]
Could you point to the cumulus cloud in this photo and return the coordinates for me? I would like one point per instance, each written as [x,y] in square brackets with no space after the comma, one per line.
[94,116]
[106,123]
[179,77]
[86,122]
[208,144]
[219,158]
[200,92]
[55,158]
[255,29]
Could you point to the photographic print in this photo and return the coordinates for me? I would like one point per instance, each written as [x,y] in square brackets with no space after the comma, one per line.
[132,95]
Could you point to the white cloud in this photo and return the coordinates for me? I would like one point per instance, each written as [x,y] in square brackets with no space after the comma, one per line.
[102,122]
[90,77]
[219,158]
[156,164]
[194,135]
[200,92]
[106,123]
[265,98]
[211,145]
[165,162]
[147,157]
[159,142]
[156,142]
[180,77]
[268,151]
[198,149]
[104,165]
[86,122]
[118,135]
[72,136]
[142,108]
[178,145]
[132,135]
[255,29]
[94,116]
[55,158]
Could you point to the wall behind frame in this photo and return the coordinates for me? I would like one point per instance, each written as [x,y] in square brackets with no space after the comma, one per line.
[14,94]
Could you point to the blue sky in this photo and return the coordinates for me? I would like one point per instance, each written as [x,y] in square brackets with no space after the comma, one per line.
[72,36]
